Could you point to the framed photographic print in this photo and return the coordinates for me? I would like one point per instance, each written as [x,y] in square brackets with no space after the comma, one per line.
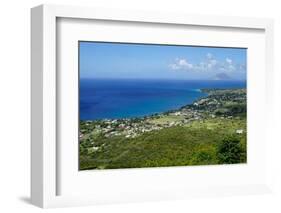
[130,106]
[143,105]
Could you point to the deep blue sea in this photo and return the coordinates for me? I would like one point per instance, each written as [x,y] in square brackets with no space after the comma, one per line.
[100,98]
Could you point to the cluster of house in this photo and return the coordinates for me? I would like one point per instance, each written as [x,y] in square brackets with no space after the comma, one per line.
[131,128]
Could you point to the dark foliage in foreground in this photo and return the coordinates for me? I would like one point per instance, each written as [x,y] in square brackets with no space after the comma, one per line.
[229,150]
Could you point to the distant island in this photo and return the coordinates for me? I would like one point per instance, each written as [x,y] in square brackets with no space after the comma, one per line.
[195,134]
[222,76]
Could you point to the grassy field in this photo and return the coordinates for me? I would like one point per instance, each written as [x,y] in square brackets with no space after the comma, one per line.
[198,143]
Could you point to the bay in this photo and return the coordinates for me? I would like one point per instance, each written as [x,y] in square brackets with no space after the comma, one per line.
[129,98]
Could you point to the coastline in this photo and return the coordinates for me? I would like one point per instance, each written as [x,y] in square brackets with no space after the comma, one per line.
[209,106]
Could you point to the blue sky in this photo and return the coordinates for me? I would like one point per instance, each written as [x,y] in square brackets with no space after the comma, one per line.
[138,61]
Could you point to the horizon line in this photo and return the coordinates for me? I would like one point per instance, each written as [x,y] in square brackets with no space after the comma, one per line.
[95,78]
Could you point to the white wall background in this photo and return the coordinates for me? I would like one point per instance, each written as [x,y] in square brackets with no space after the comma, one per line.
[15,103]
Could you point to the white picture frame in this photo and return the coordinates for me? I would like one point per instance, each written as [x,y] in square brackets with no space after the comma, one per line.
[45,169]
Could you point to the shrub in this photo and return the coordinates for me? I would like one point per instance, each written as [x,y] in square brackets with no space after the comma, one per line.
[229,150]
[237,109]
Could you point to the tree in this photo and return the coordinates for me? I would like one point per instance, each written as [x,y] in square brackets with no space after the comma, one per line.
[229,150]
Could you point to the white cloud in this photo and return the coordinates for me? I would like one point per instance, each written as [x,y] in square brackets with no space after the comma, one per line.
[174,66]
[181,64]
[211,63]
[207,64]
[228,60]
